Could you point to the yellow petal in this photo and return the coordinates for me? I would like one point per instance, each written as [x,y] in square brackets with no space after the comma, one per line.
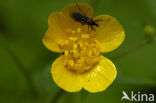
[110,33]
[56,31]
[81,8]
[100,77]
[64,78]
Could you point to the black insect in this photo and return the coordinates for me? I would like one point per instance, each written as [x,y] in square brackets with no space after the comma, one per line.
[82,18]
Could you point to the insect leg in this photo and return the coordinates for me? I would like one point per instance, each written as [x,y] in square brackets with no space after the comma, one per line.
[92,27]
[88,27]
[98,20]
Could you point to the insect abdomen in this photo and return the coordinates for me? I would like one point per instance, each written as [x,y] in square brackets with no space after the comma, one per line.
[83,19]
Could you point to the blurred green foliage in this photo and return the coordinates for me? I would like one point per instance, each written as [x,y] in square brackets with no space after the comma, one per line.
[24,22]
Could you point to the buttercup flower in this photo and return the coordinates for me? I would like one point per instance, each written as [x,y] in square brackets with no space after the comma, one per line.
[81,65]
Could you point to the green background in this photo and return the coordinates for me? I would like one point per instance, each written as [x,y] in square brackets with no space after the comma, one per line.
[23,24]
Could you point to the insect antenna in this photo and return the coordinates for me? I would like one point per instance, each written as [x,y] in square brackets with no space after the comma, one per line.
[80,9]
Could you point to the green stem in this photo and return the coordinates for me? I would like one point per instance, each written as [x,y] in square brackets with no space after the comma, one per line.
[140,45]
[21,67]
[57,96]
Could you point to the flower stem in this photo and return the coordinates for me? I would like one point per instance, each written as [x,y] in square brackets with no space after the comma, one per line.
[139,45]
[58,95]
[21,67]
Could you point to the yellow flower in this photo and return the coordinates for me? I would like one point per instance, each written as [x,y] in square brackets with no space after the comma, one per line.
[81,65]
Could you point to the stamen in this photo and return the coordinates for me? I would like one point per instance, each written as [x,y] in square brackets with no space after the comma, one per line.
[66,53]
[81,44]
[90,53]
[73,32]
[78,30]
[75,46]
[73,38]
[81,50]
[71,62]
[85,36]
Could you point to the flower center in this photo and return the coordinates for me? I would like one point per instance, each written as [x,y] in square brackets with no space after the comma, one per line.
[81,51]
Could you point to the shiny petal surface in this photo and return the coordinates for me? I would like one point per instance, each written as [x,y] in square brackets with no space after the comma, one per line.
[56,31]
[99,77]
[81,8]
[64,78]
[110,33]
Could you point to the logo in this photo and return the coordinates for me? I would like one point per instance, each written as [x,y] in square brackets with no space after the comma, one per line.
[137,96]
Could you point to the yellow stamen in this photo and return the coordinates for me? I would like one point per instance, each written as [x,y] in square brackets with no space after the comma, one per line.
[66,53]
[86,36]
[75,46]
[73,32]
[81,51]
[73,38]
[79,30]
